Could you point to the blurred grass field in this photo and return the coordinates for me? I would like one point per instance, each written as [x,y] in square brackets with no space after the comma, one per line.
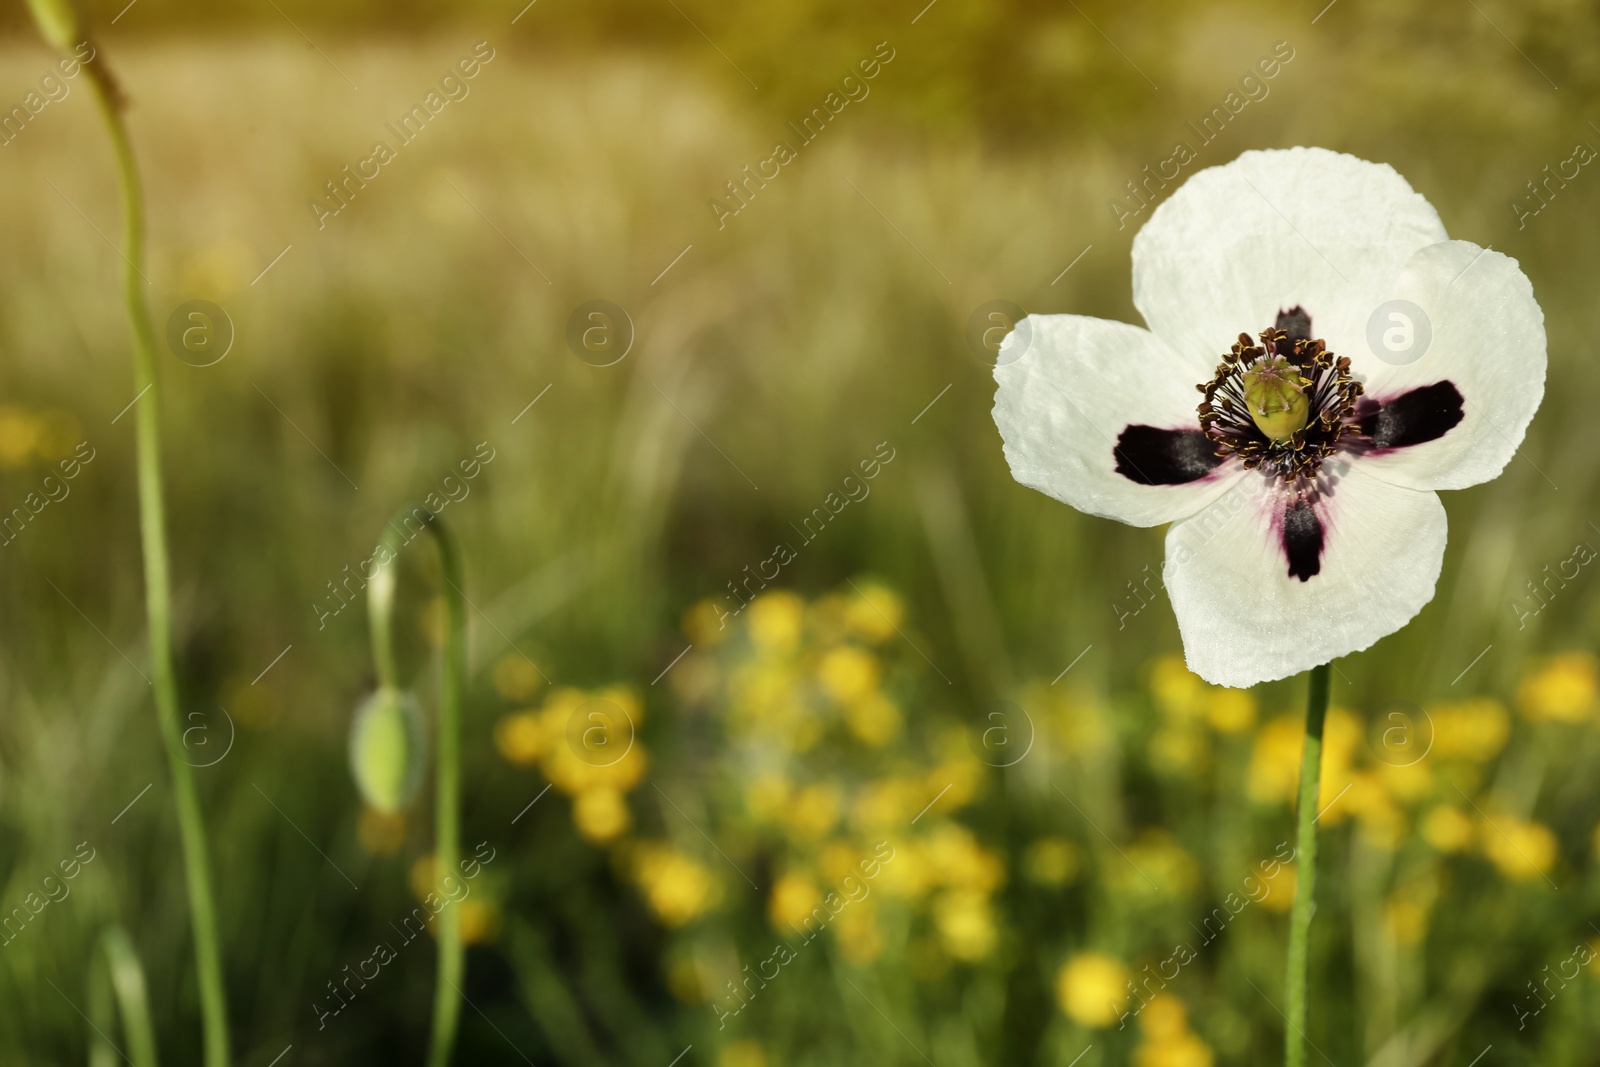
[773,357]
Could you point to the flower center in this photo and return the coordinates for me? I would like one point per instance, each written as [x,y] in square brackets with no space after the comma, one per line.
[1275,396]
[1283,404]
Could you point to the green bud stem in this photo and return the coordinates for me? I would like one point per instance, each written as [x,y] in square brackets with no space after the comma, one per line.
[447,801]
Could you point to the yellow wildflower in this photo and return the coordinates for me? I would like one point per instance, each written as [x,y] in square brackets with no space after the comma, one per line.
[909,875]
[776,621]
[591,740]
[480,920]
[1274,773]
[1474,730]
[520,738]
[891,802]
[1280,889]
[1343,735]
[965,924]
[1178,694]
[1164,1017]
[677,887]
[1092,989]
[19,435]
[1522,850]
[874,720]
[573,775]
[1368,800]
[1447,828]
[766,797]
[814,810]
[848,673]
[1230,711]
[601,814]
[957,859]
[1168,1040]
[1178,750]
[1408,782]
[1563,689]
[858,932]
[793,898]
[838,859]
[874,612]
[1184,1050]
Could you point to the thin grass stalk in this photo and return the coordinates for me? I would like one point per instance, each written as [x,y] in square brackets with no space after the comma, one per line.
[125,976]
[447,798]
[59,24]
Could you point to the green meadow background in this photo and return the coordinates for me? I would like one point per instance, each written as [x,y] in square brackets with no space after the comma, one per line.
[851,706]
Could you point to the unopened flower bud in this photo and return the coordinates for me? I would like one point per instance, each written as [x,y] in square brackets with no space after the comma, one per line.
[388,741]
[1275,393]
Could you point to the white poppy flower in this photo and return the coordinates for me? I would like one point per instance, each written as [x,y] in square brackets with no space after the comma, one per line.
[1299,480]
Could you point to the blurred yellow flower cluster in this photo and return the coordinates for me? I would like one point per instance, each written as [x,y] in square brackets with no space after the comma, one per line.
[1411,765]
[1189,707]
[1562,689]
[1413,755]
[586,745]
[29,436]
[678,887]
[1092,988]
[798,670]
[828,774]
[1168,1041]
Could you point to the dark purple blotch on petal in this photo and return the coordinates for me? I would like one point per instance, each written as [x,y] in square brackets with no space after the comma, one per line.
[1302,539]
[1296,322]
[1413,418]
[1150,455]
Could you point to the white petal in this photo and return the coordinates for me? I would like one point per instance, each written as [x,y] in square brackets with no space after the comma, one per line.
[1487,340]
[1244,620]
[1068,386]
[1238,243]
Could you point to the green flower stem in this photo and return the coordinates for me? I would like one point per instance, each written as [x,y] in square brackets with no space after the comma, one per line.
[158,597]
[447,802]
[1305,884]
